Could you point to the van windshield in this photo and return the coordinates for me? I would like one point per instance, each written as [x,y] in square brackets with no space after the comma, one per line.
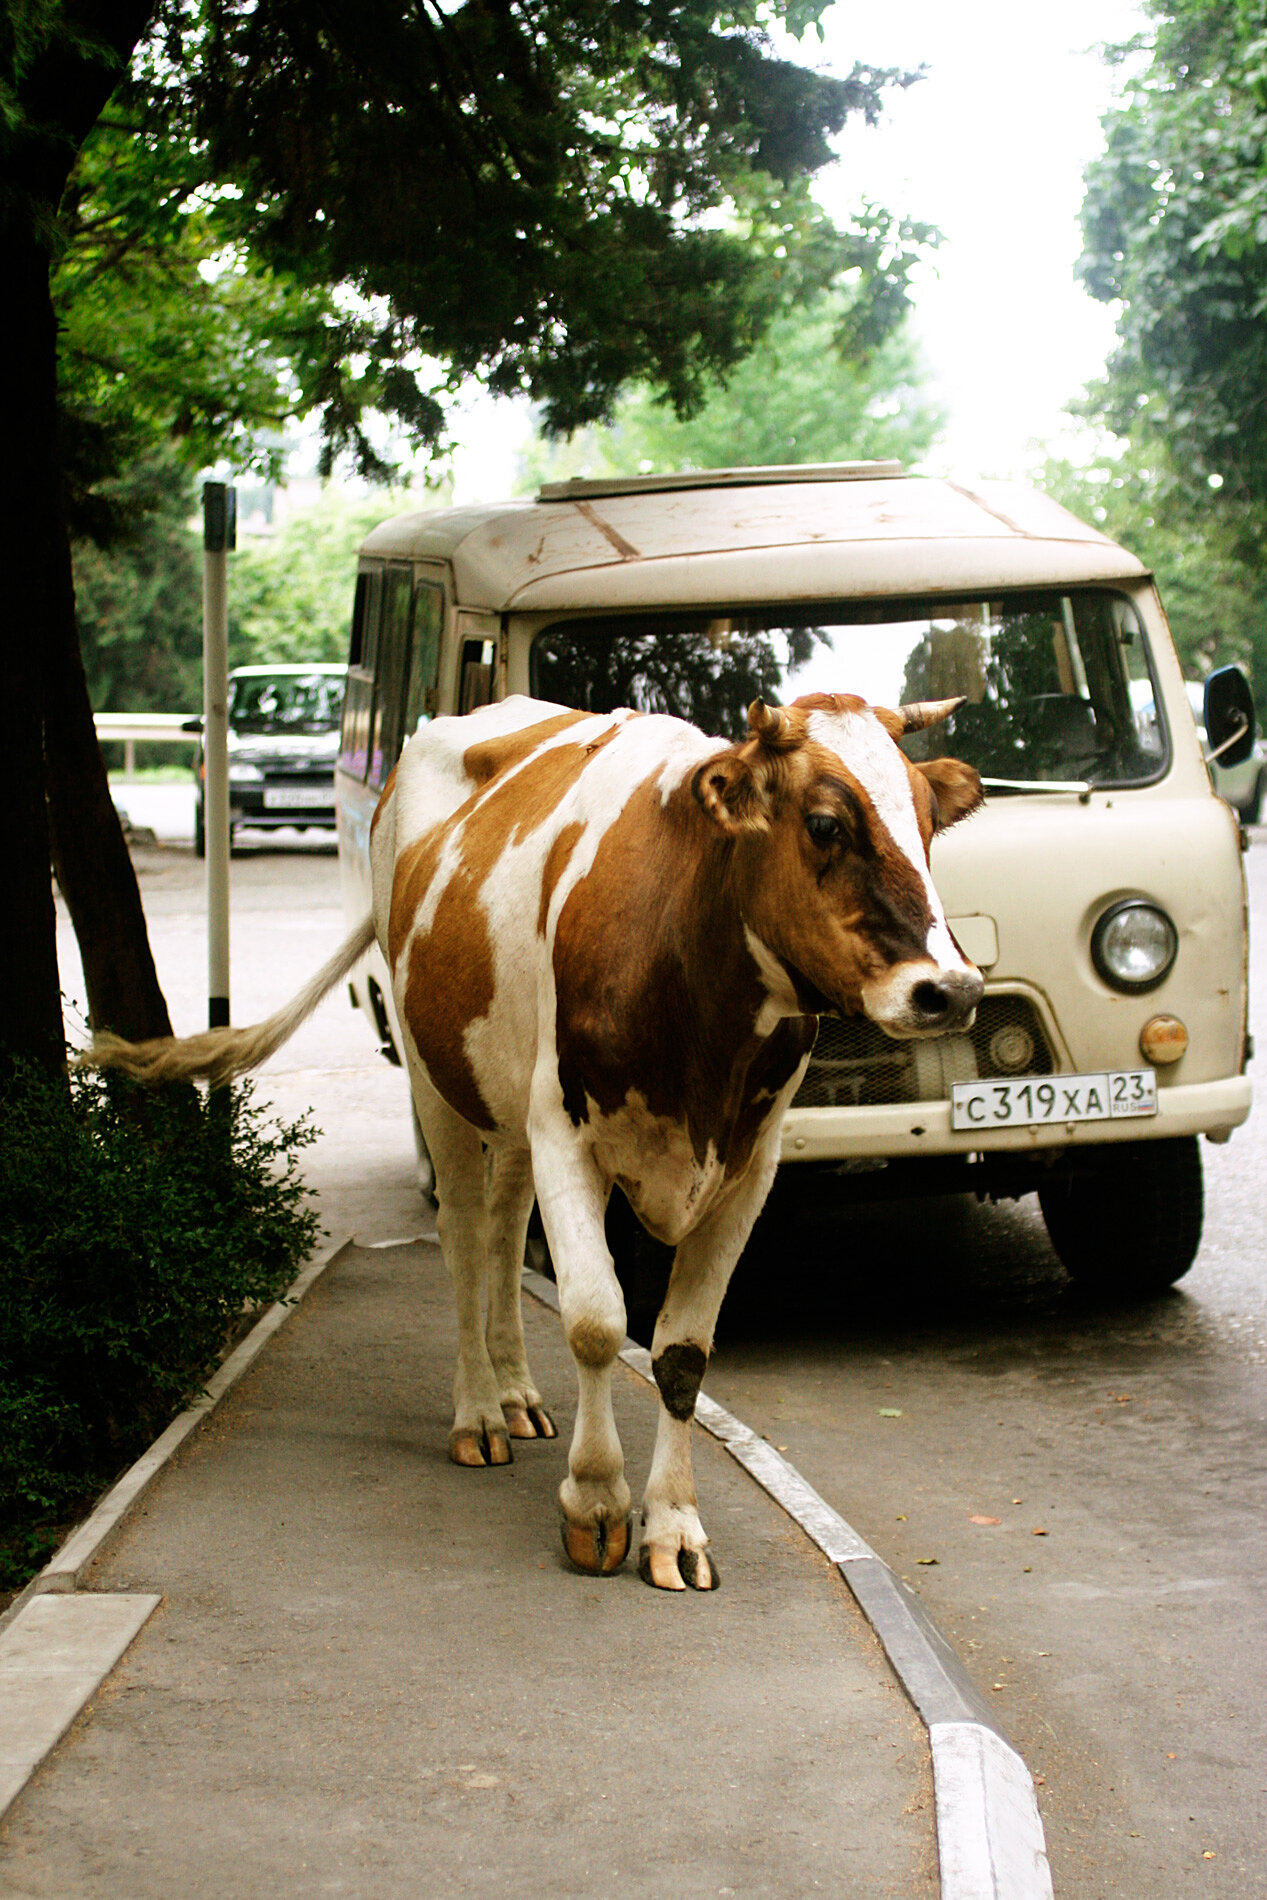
[286,702]
[1058,687]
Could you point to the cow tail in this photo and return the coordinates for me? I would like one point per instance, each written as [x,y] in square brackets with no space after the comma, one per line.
[221,1054]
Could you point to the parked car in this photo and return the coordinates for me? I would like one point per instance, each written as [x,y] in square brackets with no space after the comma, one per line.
[283,742]
[1100,890]
[1241,785]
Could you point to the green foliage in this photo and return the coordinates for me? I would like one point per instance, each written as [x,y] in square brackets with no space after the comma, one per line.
[131,1239]
[275,219]
[1213,584]
[796,398]
[1175,226]
[139,597]
[290,595]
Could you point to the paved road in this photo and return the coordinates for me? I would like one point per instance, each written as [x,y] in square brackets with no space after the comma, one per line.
[1123,1647]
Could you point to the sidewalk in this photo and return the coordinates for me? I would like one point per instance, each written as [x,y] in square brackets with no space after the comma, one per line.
[372,1673]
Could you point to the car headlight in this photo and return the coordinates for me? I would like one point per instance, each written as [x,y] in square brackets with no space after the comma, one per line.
[244,774]
[1134,945]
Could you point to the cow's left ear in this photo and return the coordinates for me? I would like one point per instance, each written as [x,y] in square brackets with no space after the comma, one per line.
[956,787]
[728,789]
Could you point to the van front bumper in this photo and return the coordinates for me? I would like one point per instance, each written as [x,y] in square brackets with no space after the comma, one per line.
[907,1130]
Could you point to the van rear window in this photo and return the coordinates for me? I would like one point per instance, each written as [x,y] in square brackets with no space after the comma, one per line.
[1058,686]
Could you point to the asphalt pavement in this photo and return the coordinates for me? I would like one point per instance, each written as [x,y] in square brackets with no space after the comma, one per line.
[927,1366]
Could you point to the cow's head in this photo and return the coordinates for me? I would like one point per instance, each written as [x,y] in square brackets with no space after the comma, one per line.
[832,825]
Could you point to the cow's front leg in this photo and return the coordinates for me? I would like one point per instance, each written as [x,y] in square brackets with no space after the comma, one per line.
[572,1196]
[509,1199]
[674,1553]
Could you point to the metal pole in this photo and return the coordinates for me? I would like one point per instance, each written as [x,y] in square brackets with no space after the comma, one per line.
[219,525]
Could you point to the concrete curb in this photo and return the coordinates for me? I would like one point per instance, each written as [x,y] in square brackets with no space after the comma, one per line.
[990,1840]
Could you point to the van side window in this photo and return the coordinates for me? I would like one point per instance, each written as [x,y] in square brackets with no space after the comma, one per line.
[359,691]
[424,659]
[476,688]
[389,672]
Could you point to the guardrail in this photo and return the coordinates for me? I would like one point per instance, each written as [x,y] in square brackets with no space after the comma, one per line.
[152,728]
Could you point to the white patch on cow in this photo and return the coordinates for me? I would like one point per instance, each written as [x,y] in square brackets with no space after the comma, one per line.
[780,1001]
[861,742]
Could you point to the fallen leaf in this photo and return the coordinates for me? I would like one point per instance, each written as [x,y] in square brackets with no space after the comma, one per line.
[1208,1854]
[1027,1566]
[1040,1533]
[996,1685]
[1120,1398]
[1018,1500]
[900,1518]
[888,1411]
[985,1520]
[1172,1757]
[928,1560]
[780,1447]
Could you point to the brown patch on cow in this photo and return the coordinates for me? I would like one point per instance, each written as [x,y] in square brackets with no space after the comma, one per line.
[679,1373]
[555,865]
[450,986]
[650,962]
[831,703]
[483,761]
[381,806]
[411,880]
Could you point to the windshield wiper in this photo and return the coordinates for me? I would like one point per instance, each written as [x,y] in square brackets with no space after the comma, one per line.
[1078,785]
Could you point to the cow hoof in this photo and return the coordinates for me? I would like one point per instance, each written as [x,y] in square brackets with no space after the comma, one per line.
[529,1421]
[597,1549]
[474,1448]
[668,1569]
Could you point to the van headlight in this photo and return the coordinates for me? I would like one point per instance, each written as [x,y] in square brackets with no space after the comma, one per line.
[1134,945]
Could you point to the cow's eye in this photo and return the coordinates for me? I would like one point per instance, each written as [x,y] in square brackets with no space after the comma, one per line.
[823,827]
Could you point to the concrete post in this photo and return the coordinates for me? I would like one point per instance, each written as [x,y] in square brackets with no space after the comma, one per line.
[219,536]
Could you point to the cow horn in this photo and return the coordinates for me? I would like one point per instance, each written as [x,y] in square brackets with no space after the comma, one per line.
[772,725]
[927,712]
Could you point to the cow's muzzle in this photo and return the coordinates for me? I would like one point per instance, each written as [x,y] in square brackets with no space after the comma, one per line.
[924,999]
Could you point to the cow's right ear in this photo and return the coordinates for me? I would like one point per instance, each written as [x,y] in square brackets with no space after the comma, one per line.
[728,790]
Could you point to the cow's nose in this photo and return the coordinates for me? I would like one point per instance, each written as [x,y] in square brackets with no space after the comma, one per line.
[947,1000]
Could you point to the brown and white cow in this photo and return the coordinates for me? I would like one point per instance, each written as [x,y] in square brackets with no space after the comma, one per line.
[610,938]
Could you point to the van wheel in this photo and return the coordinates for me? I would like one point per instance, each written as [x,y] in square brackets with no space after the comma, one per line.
[1128,1223]
[200,831]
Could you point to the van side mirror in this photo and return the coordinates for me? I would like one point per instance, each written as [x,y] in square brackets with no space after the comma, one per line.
[193,724]
[1231,724]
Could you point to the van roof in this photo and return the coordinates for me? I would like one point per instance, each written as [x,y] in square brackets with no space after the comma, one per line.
[734,535]
[288,667]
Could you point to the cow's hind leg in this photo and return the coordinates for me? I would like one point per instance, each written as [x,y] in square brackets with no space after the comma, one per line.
[674,1552]
[509,1202]
[479,1435]
[595,1498]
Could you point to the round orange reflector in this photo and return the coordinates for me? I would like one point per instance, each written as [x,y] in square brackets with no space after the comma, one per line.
[1163,1039]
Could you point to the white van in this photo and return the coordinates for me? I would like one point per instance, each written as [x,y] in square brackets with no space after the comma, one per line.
[1100,890]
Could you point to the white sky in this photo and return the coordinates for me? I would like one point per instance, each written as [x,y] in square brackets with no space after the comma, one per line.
[990,147]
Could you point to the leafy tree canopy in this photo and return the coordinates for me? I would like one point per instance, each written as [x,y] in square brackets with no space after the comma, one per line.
[351,212]
[797,398]
[1175,226]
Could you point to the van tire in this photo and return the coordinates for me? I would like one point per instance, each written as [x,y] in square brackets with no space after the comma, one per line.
[1127,1224]
[200,831]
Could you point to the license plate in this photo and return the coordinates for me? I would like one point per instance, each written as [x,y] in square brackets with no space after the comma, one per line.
[1111,1096]
[297,797]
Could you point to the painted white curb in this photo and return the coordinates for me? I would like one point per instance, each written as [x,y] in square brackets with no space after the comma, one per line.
[54,1656]
[989,1833]
[990,1841]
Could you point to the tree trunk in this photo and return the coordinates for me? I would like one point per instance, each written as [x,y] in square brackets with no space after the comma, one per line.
[30,1001]
[49,744]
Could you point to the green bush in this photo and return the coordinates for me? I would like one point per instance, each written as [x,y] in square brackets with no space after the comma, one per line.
[135,1229]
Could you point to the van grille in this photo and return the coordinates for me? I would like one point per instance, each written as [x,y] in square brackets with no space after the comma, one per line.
[855,1065]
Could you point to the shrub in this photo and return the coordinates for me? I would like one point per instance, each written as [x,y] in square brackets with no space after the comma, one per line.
[134,1231]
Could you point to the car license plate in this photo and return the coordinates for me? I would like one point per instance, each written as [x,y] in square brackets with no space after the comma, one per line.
[1115,1094]
[297,797]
